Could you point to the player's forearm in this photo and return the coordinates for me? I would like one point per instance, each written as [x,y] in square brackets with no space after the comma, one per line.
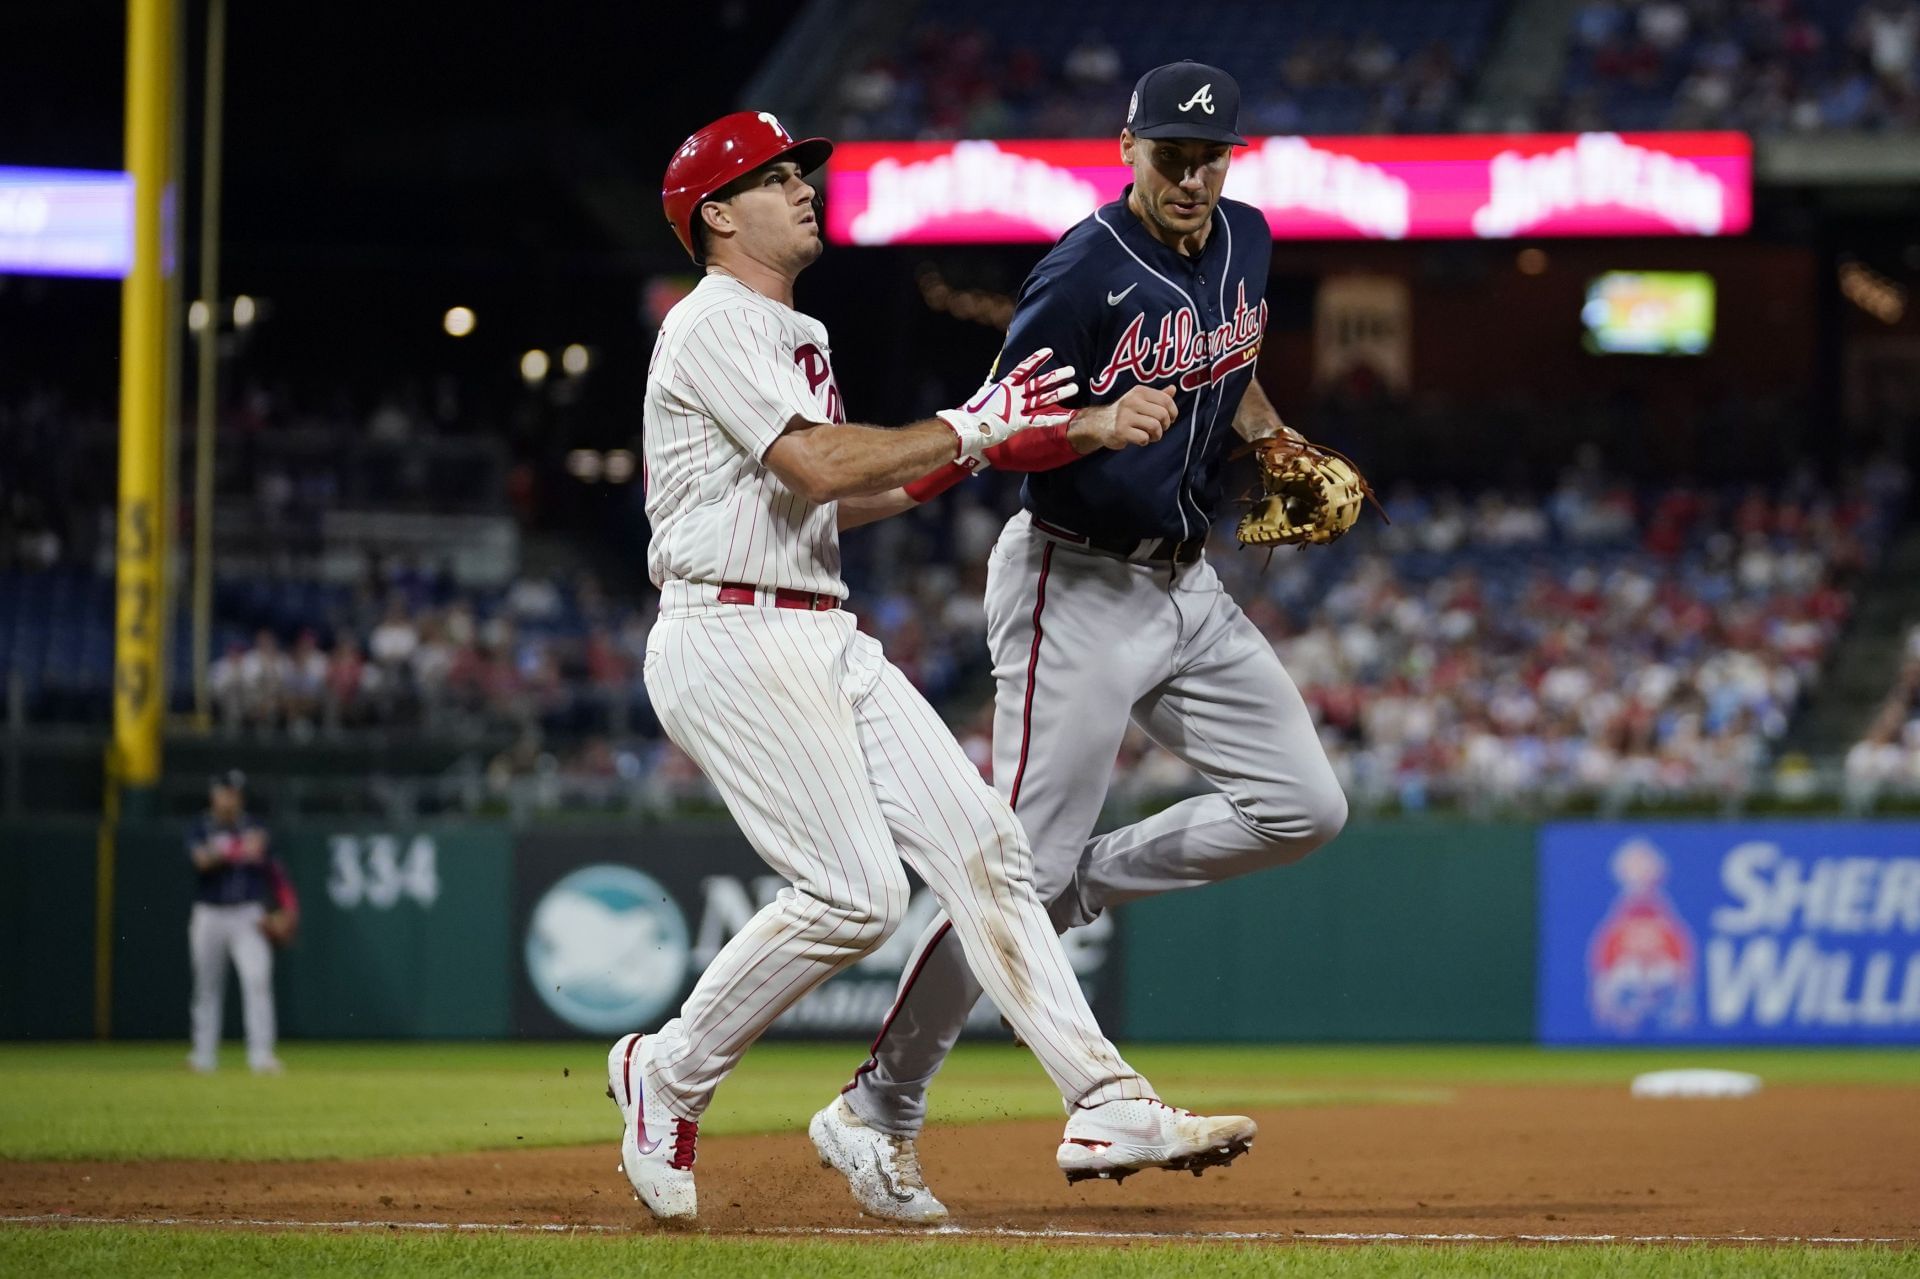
[1256,418]
[852,512]
[831,462]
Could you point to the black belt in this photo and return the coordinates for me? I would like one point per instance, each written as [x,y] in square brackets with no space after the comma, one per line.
[1154,550]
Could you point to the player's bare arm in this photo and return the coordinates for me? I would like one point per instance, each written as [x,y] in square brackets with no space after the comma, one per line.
[206,856]
[855,511]
[833,462]
[1256,417]
[830,461]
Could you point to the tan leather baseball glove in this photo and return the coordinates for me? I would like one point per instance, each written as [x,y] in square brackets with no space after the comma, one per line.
[1309,494]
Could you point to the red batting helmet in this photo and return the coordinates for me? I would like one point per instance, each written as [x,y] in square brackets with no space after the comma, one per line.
[729,148]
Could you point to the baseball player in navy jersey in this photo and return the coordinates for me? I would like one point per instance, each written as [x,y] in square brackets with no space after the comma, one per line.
[1101,607]
[835,768]
[233,895]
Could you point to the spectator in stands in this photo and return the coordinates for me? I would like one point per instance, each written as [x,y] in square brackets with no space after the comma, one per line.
[394,640]
[306,687]
[264,675]
[1092,63]
[353,685]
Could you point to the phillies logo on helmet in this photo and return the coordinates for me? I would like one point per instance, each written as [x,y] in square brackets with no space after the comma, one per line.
[1642,961]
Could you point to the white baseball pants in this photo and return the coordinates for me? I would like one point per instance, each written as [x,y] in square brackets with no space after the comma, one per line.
[836,769]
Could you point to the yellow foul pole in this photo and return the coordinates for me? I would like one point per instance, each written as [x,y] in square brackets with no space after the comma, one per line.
[140,611]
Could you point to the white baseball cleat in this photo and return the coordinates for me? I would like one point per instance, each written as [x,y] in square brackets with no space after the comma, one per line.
[1118,1139]
[882,1170]
[656,1149]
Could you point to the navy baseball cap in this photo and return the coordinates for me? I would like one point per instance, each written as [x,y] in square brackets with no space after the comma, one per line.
[232,779]
[1186,100]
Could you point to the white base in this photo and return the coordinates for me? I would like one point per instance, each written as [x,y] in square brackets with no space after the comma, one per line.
[1696,1083]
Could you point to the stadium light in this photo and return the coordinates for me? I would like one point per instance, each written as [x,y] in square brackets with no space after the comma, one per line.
[620,465]
[197,316]
[575,359]
[534,366]
[458,321]
[245,312]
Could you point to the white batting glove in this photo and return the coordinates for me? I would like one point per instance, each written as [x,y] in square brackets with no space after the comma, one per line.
[1000,410]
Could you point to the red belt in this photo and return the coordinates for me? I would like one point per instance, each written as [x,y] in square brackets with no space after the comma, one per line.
[747,593]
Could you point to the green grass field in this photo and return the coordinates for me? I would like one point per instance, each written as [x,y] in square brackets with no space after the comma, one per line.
[346,1101]
[202,1254]
[137,1101]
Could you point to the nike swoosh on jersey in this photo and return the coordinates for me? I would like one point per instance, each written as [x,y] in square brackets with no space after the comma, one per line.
[1114,299]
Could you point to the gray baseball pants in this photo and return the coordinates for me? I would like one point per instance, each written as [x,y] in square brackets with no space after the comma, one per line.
[215,934]
[1084,642]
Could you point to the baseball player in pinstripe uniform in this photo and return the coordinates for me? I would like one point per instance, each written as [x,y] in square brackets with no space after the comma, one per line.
[1101,607]
[835,768]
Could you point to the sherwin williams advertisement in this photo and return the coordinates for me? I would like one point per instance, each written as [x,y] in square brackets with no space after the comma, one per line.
[1780,932]
[1465,187]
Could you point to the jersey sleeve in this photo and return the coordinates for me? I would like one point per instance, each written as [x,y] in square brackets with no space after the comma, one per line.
[1051,313]
[740,372]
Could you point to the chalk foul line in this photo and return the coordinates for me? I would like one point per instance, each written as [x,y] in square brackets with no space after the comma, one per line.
[957,1232]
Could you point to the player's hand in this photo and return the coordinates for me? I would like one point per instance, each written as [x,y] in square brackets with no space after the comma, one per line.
[1022,399]
[1139,417]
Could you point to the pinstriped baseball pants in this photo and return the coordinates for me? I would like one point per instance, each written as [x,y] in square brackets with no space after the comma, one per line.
[836,770]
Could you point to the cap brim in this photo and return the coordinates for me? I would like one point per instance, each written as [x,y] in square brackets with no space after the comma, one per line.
[1204,132]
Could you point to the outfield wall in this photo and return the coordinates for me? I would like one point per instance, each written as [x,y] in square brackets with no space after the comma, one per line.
[1583,932]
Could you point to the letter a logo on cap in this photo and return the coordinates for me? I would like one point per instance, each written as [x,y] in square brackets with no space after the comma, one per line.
[1202,97]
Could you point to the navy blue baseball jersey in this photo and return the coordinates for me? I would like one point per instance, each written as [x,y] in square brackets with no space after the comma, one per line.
[1123,309]
[230,883]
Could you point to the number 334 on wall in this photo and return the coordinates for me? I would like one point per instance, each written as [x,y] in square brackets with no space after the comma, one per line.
[370,870]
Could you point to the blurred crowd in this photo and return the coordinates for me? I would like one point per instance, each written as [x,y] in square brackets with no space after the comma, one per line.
[1595,638]
[1758,65]
[1597,642]
[408,647]
[966,82]
[57,481]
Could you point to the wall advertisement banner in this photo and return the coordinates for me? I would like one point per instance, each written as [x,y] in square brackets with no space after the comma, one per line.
[1453,187]
[1707,932]
[611,929]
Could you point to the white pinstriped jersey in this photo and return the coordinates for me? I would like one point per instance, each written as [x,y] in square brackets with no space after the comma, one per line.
[731,368]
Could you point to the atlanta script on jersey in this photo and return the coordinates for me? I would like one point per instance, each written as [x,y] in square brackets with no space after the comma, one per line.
[1125,309]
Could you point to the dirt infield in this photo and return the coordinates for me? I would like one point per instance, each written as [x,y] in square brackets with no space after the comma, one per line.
[1794,1162]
